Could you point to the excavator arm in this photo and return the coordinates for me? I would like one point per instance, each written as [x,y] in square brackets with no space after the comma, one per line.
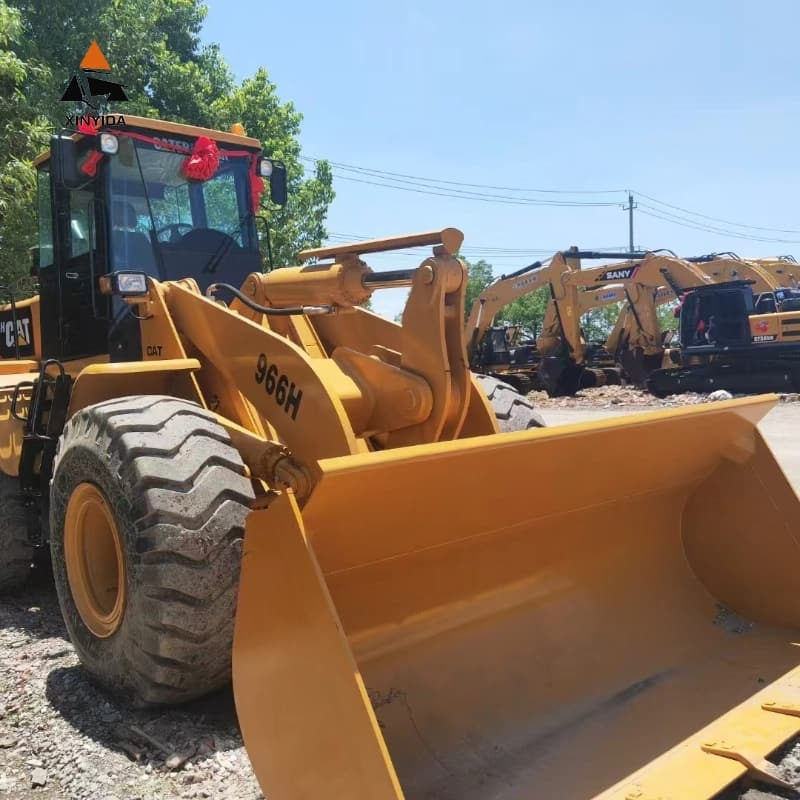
[507,289]
[784,269]
[727,267]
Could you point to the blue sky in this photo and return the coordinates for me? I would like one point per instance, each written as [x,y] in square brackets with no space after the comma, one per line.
[693,103]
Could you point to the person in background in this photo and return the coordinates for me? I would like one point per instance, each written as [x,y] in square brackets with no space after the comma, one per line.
[712,332]
[699,332]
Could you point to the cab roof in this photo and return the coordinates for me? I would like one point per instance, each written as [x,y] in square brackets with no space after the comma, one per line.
[162,126]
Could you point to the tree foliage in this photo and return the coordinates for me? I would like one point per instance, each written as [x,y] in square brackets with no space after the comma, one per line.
[666,316]
[155,51]
[22,134]
[479,276]
[301,224]
[527,312]
[598,323]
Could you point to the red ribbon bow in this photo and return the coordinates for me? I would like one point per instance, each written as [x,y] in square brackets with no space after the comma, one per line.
[203,161]
[88,127]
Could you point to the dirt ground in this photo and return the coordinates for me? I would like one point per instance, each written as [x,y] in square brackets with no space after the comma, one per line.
[62,737]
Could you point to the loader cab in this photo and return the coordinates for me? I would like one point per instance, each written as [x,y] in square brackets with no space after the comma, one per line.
[121,200]
[717,316]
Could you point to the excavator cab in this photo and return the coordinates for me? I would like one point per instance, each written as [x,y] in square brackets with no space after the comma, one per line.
[495,347]
[732,339]
[788,299]
[122,199]
[717,315]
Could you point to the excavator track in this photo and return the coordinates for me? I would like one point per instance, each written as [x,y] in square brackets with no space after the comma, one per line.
[745,376]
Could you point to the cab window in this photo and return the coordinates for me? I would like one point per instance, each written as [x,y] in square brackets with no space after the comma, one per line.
[45,218]
[81,230]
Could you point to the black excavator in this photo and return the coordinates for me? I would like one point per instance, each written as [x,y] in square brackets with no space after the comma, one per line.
[734,339]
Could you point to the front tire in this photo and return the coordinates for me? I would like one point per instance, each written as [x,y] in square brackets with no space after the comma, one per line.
[148,504]
[513,411]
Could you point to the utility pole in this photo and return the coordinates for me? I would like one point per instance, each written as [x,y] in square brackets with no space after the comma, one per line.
[629,208]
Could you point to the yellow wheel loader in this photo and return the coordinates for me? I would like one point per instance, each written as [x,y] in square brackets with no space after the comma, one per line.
[420,605]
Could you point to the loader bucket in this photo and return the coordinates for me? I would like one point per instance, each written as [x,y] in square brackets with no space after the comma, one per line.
[607,609]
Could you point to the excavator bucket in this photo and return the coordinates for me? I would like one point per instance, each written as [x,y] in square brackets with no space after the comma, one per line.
[598,610]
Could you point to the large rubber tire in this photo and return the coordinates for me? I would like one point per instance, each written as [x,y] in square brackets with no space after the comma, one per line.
[514,412]
[16,551]
[179,496]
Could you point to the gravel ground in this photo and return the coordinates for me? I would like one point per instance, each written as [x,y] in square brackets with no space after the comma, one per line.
[628,396]
[62,737]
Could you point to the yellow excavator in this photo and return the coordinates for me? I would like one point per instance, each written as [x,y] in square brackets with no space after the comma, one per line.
[637,342]
[495,350]
[561,361]
[232,467]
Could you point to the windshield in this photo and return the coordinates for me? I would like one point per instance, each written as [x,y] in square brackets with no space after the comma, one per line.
[171,227]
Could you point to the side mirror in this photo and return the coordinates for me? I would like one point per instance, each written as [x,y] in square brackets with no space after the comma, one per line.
[64,161]
[275,173]
[34,251]
[278,189]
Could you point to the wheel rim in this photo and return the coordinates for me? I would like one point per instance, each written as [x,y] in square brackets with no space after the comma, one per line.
[94,558]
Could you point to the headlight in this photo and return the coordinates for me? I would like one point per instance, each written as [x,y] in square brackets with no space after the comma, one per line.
[132,283]
[109,143]
[265,167]
[124,283]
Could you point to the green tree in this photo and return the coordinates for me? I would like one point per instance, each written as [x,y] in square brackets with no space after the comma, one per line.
[598,323]
[479,276]
[22,135]
[153,47]
[527,312]
[666,316]
[155,51]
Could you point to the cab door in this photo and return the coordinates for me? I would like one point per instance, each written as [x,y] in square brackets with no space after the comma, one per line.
[74,314]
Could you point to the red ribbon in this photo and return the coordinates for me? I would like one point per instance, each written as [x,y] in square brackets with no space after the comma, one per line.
[89,167]
[203,161]
[256,184]
[88,128]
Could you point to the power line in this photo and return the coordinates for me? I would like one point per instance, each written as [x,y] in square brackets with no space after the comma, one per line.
[386,173]
[716,219]
[684,222]
[443,188]
[459,194]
